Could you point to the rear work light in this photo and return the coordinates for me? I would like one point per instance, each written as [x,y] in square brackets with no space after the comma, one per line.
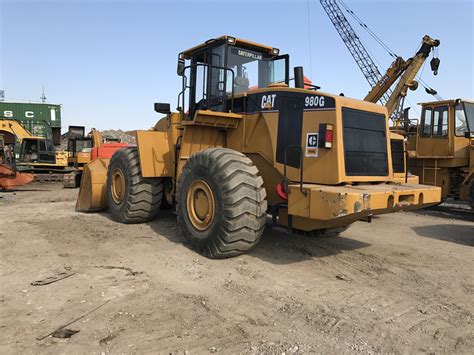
[326,134]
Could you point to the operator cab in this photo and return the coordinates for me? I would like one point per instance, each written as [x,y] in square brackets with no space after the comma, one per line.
[435,118]
[34,150]
[445,129]
[222,68]
[79,145]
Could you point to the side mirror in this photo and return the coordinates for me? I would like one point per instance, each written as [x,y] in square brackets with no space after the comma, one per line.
[162,108]
[181,66]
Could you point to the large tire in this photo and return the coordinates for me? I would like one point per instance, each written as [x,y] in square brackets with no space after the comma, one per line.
[471,193]
[131,198]
[234,213]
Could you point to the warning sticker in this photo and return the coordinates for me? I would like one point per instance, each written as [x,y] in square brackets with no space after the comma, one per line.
[312,145]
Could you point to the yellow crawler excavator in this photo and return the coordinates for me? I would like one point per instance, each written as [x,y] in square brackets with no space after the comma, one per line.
[37,155]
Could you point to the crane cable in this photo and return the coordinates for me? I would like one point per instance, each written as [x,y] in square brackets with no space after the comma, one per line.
[429,90]
[369,31]
[388,49]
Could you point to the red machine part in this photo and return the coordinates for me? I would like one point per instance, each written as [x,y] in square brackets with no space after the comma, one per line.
[10,179]
[106,150]
[280,190]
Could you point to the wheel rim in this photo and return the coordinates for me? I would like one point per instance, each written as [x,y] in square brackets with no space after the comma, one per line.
[200,204]
[118,186]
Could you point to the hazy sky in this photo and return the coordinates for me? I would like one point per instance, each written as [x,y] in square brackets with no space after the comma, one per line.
[108,61]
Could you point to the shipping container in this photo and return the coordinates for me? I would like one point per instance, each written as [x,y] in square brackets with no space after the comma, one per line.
[42,119]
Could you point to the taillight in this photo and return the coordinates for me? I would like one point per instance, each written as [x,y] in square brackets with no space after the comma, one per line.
[326,133]
[329,135]
[280,190]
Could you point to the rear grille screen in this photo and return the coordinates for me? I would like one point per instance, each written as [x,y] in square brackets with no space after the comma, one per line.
[365,143]
[398,155]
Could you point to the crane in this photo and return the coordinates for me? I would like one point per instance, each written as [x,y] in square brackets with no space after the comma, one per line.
[354,45]
[405,70]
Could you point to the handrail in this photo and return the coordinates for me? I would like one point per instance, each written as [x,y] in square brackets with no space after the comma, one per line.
[185,86]
[285,179]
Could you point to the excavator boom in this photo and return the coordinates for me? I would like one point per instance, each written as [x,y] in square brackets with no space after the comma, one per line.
[15,128]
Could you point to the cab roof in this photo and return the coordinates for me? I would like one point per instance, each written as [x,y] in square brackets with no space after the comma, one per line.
[232,40]
[444,102]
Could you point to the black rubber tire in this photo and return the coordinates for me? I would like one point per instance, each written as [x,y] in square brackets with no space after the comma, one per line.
[143,196]
[241,207]
[471,194]
[167,187]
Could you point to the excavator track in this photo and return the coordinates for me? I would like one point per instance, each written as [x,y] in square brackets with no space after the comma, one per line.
[72,180]
[49,178]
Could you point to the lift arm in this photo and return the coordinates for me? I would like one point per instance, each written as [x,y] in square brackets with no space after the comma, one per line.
[96,136]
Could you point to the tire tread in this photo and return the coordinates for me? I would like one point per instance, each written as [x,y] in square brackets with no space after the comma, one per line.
[145,195]
[244,199]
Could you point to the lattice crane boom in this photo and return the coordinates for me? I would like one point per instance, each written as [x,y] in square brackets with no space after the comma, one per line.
[354,45]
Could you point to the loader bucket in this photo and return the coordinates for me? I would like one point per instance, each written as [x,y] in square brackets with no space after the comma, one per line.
[93,191]
[10,179]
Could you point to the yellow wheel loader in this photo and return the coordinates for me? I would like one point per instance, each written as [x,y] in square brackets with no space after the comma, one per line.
[244,145]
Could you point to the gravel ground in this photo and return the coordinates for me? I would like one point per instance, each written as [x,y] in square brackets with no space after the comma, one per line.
[402,284]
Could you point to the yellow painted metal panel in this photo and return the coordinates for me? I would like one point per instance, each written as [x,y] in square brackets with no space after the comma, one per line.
[155,157]
[328,202]
[93,192]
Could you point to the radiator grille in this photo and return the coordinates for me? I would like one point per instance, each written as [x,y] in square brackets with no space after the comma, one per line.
[365,143]
[398,155]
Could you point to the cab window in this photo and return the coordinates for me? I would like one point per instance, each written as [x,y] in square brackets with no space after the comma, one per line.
[426,122]
[42,146]
[253,69]
[440,121]
[460,121]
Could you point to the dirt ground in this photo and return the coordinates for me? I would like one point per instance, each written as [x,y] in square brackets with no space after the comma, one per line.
[402,284]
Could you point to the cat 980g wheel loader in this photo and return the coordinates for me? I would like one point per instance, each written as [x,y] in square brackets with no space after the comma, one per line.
[242,145]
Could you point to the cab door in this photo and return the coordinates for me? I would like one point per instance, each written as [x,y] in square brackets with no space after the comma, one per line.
[46,152]
[208,81]
[433,136]
[441,131]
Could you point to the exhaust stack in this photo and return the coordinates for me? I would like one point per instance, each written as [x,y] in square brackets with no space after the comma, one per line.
[299,77]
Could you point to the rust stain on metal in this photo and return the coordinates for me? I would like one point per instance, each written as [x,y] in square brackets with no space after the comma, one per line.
[357,206]
[366,201]
[340,204]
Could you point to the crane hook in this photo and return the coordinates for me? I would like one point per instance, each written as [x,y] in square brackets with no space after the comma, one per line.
[434,63]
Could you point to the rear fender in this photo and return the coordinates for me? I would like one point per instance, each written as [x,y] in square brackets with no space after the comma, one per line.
[154,152]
